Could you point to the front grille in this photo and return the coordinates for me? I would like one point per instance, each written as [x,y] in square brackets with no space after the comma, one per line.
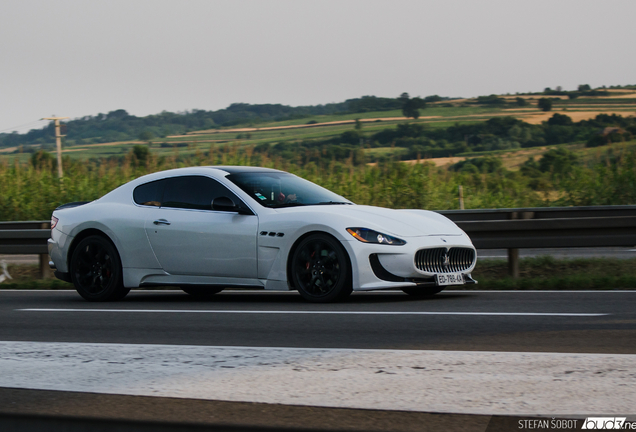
[434,260]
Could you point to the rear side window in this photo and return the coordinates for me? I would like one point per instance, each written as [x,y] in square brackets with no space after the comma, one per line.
[194,192]
[150,194]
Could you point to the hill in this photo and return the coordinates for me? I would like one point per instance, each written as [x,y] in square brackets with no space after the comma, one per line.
[369,129]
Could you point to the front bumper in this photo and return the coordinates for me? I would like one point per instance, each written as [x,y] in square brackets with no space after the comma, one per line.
[381,273]
[384,266]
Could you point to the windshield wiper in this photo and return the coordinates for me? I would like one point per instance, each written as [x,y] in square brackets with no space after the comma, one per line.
[290,204]
[332,203]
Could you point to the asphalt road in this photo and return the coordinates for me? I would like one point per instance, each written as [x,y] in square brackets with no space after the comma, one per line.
[523,321]
[475,321]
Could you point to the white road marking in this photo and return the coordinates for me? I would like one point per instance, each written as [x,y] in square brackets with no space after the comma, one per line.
[383,291]
[505,383]
[312,312]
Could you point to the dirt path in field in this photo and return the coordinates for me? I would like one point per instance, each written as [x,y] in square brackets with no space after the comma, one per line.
[301,126]
[574,115]
[437,161]
[511,160]
[88,146]
[508,97]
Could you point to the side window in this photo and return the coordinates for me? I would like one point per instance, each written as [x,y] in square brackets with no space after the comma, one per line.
[149,194]
[194,192]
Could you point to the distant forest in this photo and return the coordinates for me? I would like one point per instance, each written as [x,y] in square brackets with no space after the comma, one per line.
[120,126]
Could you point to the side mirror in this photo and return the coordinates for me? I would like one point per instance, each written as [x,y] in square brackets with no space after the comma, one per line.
[224,203]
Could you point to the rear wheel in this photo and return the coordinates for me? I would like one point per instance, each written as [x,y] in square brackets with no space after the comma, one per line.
[96,270]
[320,269]
[422,292]
[201,291]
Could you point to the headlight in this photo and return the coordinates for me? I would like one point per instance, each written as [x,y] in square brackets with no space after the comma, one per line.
[366,235]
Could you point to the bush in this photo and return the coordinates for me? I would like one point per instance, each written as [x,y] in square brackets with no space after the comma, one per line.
[545,104]
[560,120]
[557,161]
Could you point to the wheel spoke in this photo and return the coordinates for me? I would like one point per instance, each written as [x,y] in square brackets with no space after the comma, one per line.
[323,284]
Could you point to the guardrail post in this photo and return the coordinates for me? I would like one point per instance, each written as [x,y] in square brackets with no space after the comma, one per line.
[513,263]
[45,270]
[513,253]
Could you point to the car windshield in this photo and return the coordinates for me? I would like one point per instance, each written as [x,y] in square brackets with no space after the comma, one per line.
[278,189]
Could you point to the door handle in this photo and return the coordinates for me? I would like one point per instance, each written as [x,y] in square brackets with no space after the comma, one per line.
[161,222]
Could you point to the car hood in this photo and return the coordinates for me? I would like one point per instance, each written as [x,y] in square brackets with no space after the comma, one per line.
[400,223]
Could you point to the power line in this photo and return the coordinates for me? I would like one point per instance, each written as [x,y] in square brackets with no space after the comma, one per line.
[20,126]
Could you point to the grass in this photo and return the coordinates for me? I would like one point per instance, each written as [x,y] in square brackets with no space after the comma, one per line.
[535,274]
[549,273]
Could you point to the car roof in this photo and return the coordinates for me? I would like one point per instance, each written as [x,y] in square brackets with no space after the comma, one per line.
[243,169]
[219,171]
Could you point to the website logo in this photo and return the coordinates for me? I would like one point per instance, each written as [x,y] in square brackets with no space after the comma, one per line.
[604,423]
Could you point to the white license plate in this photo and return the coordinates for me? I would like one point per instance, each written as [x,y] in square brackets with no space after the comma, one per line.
[450,279]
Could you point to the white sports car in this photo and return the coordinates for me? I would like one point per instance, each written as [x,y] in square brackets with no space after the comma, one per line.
[209,228]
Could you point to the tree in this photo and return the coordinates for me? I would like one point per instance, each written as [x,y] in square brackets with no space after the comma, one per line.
[350,137]
[545,104]
[557,161]
[146,135]
[433,98]
[521,101]
[141,153]
[358,125]
[411,107]
[491,100]
[42,159]
[584,87]
[560,120]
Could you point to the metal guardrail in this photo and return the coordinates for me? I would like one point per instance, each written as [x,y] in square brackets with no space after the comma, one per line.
[546,227]
[512,229]
[27,238]
[539,213]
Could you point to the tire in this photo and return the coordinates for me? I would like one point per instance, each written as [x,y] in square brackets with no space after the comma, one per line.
[320,269]
[201,292]
[422,292]
[96,270]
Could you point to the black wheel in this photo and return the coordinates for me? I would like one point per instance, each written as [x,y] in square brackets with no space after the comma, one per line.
[96,270]
[320,269]
[422,292]
[201,291]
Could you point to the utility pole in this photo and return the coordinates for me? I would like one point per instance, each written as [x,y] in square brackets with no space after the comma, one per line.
[58,142]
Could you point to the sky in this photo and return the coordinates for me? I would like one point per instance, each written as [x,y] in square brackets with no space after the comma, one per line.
[75,58]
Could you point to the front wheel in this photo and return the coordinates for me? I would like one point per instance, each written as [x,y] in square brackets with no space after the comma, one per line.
[320,269]
[96,270]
